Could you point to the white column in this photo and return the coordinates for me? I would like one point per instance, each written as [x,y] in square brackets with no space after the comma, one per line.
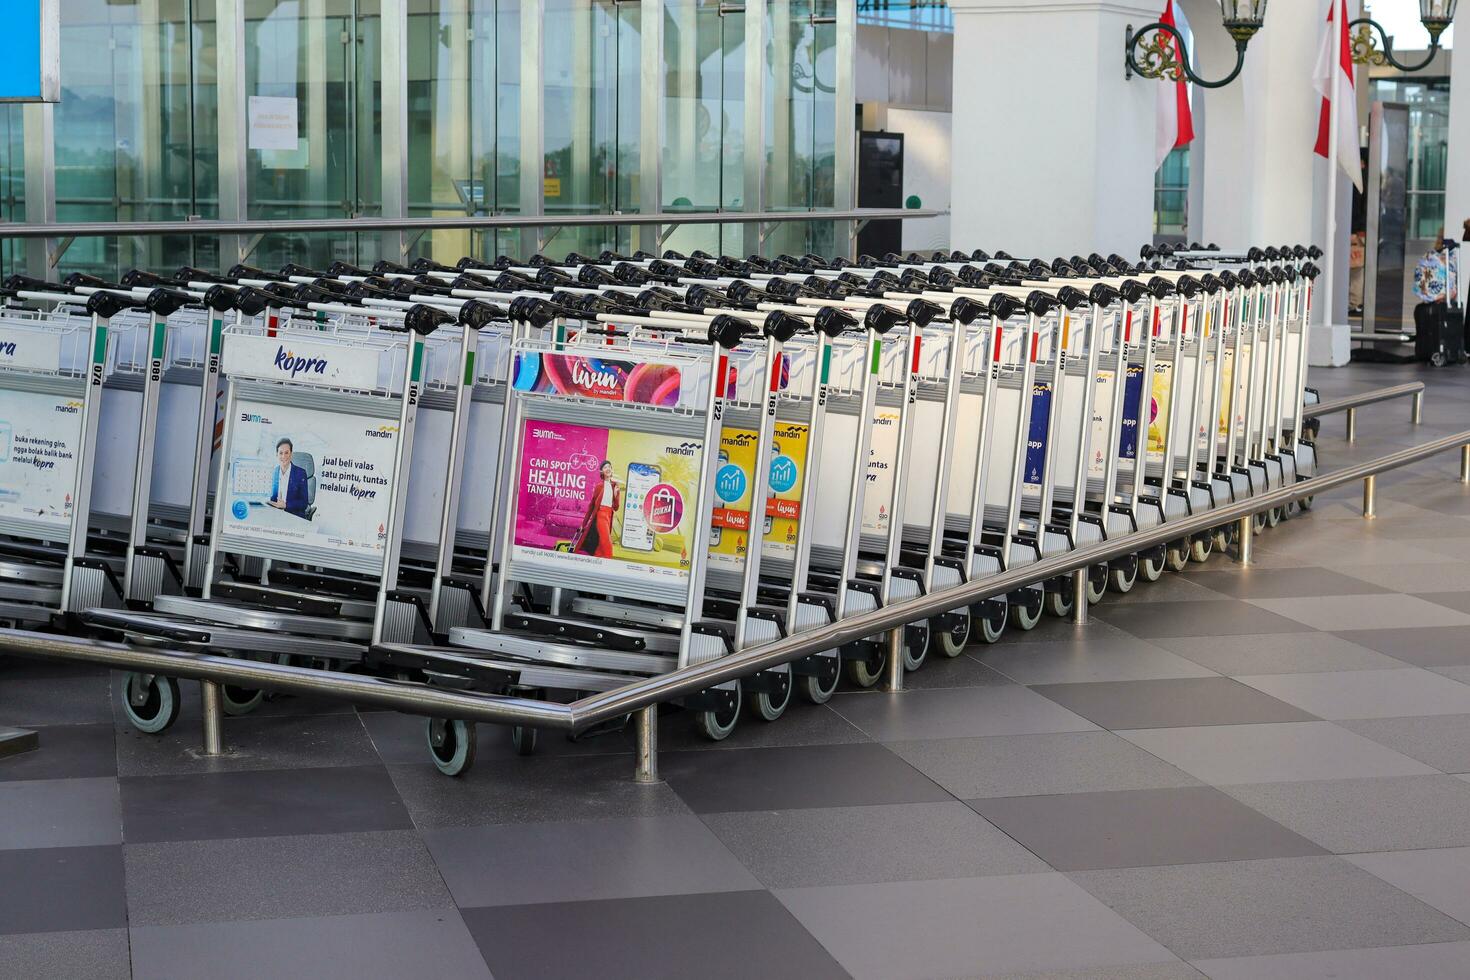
[1053,147]
[1457,174]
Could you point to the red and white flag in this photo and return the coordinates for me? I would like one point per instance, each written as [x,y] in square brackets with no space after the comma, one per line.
[1175,120]
[1333,80]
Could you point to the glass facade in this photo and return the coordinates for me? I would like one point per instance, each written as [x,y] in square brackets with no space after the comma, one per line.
[639,105]
[1428,100]
[1171,195]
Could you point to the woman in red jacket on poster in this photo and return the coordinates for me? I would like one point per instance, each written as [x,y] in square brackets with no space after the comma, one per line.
[596,537]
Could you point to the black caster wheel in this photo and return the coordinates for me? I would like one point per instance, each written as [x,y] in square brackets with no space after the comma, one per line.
[1122,573]
[991,618]
[770,705]
[863,673]
[1097,584]
[238,701]
[1176,556]
[818,688]
[952,642]
[451,745]
[1305,504]
[1202,547]
[1060,602]
[719,725]
[151,702]
[1027,614]
[915,646]
[1151,568]
[523,739]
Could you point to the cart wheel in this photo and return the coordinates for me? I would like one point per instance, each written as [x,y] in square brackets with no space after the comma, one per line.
[991,618]
[1202,548]
[1259,523]
[1027,614]
[1176,556]
[915,645]
[770,705]
[238,701]
[818,689]
[1438,359]
[1097,584]
[952,642]
[451,745]
[1221,537]
[523,739]
[1059,603]
[151,702]
[1305,504]
[1152,569]
[862,674]
[717,725]
[1122,573]
[1273,517]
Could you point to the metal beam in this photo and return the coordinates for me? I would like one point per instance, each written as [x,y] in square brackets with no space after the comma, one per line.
[753,195]
[533,123]
[394,75]
[39,132]
[651,117]
[234,203]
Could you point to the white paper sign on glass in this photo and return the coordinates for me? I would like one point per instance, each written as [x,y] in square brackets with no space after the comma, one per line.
[273,123]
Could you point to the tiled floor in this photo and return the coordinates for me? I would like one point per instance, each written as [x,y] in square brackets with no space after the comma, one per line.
[1258,773]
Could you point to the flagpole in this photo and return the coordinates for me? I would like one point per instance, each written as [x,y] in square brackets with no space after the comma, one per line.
[1329,271]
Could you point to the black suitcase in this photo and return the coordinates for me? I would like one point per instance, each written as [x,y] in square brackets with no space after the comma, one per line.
[1439,328]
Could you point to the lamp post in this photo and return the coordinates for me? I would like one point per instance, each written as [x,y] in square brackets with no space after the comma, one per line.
[1158,43]
[1436,15]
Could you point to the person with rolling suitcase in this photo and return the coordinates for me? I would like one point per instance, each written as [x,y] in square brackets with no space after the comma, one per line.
[1439,318]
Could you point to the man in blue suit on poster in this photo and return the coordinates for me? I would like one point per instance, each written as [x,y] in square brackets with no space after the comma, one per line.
[294,477]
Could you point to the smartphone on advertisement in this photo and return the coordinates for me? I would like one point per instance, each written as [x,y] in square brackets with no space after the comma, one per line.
[642,477]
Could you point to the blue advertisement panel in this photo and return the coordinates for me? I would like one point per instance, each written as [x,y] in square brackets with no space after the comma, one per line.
[29,60]
[1036,439]
[1132,400]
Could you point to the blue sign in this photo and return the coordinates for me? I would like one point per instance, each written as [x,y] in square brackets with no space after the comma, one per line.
[730,483]
[30,57]
[783,474]
[1132,402]
[1036,444]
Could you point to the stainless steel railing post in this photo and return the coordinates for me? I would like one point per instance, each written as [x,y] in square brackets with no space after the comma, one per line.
[1352,425]
[1370,496]
[1245,529]
[647,720]
[895,659]
[1465,464]
[1080,611]
[1416,408]
[209,692]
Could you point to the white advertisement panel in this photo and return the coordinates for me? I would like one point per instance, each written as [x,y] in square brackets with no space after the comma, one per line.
[308,477]
[39,439]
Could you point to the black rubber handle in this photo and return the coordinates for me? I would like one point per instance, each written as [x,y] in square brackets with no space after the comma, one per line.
[107,305]
[881,319]
[832,321]
[782,326]
[923,312]
[966,310]
[424,320]
[1004,306]
[167,302]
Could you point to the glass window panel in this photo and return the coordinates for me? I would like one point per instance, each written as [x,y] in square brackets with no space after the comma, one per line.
[12,184]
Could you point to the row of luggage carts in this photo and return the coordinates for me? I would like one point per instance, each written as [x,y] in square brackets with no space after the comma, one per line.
[555,478]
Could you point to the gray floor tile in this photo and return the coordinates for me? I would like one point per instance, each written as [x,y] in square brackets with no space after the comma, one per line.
[101,954]
[521,864]
[532,790]
[1177,970]
[1324,548]
[280,877]
[60,813]
[802,724]
[1225,754]
[260,803]
[1379,814]
[1441,646]
[1054,630]
[251,742]
[1459,673]
[970,669]
[389,946]
[796,777]
[403,740]
[35,702]
[1140,828]
[1459,601]
[1434,961]
[71,752]
[1367,693]
[1170,588]
[1441,741]
[62,889]
[1283,583]
[1415,578]
[1361,612]
[1252,908]
[1435,877]
[969,926]
[1218,617]
[1277,653]
[956,713]
[1085,659]
[1027,765]
[1171,703]
[835,846]
[717,935]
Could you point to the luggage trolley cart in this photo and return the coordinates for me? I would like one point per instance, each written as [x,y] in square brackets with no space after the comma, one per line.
[313,470]
[1294,399]
[1143,317]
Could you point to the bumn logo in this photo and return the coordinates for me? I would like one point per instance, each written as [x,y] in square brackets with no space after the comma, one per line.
[293,364]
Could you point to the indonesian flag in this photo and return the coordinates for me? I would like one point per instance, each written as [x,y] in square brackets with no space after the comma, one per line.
[1175,120]
[1338,84]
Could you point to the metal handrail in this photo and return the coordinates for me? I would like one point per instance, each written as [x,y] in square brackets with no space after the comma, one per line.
[1351,404]
[587,712]
[87,229]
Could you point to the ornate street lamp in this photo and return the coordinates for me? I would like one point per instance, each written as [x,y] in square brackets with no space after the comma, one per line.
[1436,15]
[1242,19]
